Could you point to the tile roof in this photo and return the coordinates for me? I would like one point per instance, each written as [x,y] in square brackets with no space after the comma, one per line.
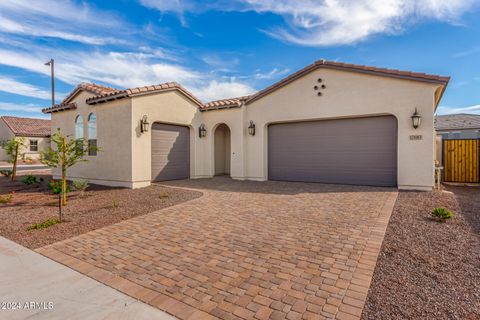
[28,127]
[105,94]
[457,121]
[60,107]
[89,87]
[224,103]
[84,86]
[138,91]
[350,67]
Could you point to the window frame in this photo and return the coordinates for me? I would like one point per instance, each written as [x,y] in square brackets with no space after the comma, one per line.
[92,128]
[33,143]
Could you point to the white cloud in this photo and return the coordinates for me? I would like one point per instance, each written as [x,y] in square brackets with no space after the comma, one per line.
[23,89]
[221,90]
[273,74]
[62,19]
[30,108]
[449,110]
[330,22]
[335,22]
[122,69]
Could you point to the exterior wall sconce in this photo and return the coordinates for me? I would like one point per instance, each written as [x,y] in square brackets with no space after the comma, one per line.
[251,128]
[144,124]
[416,119]
[202,132]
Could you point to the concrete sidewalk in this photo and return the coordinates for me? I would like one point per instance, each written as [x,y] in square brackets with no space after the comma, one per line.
[26,276]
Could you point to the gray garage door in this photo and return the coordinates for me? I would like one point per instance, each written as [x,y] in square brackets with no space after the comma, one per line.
[360,151]
[170,152]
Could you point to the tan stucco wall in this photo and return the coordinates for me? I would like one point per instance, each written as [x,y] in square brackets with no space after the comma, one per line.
[43,144]
[126,156]
[5,134]
[170,108]
[111,165]
[350,94]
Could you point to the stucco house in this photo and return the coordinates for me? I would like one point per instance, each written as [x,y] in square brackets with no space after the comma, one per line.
[458,126]
[329,122]
[36,133]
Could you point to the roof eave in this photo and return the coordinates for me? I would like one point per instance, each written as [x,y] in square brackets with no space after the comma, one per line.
[93,100]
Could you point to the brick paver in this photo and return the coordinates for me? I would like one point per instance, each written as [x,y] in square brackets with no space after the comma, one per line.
[244,250]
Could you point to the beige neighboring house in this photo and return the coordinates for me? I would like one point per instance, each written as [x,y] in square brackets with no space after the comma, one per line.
[36,133]
[329,122]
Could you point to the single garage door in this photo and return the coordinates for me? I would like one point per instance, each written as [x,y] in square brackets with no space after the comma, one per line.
[170,152]
[360,151]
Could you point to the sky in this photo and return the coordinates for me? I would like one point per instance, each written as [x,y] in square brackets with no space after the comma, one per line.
[222,49]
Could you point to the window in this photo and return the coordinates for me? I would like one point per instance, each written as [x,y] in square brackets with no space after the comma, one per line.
[92,134]
[79,128]
[33,145]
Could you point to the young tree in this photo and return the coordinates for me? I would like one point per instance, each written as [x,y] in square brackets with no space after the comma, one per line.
[13,148]
[66,153]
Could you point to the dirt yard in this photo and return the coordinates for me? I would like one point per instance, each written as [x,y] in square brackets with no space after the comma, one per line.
[427,269]
[100,206]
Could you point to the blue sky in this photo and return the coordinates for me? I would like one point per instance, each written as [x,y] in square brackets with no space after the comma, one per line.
[219,49]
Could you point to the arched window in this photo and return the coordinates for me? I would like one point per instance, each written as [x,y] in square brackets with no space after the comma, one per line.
[79,128]
[92,134]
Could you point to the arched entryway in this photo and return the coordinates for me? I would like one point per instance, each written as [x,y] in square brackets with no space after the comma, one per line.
[222,150]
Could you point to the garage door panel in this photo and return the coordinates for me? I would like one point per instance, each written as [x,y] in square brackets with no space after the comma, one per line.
[348,151]
[170,152]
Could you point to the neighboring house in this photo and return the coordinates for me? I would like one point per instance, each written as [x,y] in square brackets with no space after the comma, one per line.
[329,122]
[458,126]
[36,133]
[454,127]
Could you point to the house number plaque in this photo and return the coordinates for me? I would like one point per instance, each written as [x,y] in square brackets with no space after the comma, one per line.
[416,137]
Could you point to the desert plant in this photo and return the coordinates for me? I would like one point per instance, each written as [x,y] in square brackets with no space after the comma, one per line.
[28,160]
[7,173]
[442,214]
[115,203]
[56,187]
[29,179]
[45,224]
[6,198]
[65,154]
[13,148]
[163,195]
[80,185]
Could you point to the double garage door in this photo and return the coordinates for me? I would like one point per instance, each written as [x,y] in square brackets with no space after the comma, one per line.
[170,152]
[360,151]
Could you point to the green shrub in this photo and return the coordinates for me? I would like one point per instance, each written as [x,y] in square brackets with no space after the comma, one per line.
[56,186]
[80,185]
[6,199]
[442,214]
[163,195]
[29,179]
[43,225]
[7,173]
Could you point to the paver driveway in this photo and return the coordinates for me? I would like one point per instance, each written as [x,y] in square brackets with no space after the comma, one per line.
[244,250]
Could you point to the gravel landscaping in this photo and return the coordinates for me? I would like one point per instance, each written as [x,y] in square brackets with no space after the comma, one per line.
[99,207]
[427,269]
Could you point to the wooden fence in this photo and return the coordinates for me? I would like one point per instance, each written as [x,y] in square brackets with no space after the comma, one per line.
[461,159]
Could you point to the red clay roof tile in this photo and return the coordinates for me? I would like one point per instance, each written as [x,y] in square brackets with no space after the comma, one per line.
[28,127]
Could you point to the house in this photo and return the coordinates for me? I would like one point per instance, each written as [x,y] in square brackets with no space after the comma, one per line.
[458,126]
[36,133]
[329,122]
[455,127]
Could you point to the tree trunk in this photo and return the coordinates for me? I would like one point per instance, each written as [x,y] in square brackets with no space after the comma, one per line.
[64,173]
[15,158]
